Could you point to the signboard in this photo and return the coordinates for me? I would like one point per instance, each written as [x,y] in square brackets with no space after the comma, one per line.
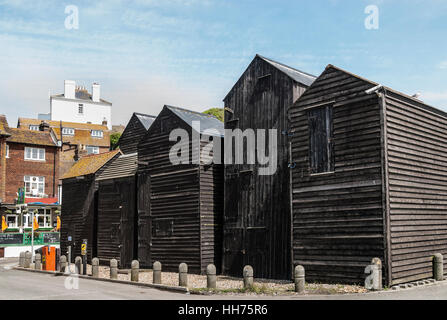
[51,238]
[11,238]
[84,247]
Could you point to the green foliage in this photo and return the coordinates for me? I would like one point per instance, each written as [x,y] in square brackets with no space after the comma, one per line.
[114,139]
[217,112]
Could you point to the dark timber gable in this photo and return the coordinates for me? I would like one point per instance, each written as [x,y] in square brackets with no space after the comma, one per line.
[257,227]
[135,130]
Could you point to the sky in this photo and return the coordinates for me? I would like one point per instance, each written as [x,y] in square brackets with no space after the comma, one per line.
[189,53]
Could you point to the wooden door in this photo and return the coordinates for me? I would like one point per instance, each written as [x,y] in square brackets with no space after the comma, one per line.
[144,222]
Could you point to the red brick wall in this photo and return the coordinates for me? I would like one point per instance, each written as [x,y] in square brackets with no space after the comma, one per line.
[17,168]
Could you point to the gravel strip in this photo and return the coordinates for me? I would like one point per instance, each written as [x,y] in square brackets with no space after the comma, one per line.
[230,285]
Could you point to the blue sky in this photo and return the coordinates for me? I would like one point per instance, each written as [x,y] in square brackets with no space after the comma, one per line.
[146,53]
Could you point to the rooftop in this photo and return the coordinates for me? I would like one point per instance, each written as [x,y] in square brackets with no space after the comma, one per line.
[90,164]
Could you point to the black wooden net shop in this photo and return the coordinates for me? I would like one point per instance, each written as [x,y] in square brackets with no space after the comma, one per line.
[80,201]
[369,180]
[136,128]
[180,206]
[257,220]
[117,211]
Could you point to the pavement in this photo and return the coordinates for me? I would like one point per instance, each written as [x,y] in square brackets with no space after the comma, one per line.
[23,285]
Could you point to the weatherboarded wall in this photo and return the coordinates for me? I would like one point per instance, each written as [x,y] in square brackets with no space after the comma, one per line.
[338,216]
[417,177]
[257,208]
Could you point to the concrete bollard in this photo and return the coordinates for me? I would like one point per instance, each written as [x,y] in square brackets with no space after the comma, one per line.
[38,263]
[28,257]
[22,259]
[248,277]
[378,263]
[183,275]
[300,279]
[438,267]
[78,265]
[63,264]
[113,269]
[95,268]
[135,271]
[373,279]
[156,268]
[211,277]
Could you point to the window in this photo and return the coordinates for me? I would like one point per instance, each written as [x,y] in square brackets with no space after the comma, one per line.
[81,109]
[321,153]
[34,154]
[11,220]
[34,128]
[7,151]
[97,133]
[27,220]
[68,131]
[44,218]
[92,150]
[34,186]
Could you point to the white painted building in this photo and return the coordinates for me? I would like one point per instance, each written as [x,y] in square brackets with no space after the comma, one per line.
[76,104]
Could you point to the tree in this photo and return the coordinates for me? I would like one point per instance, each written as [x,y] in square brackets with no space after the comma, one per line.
[114,139]
[217,112]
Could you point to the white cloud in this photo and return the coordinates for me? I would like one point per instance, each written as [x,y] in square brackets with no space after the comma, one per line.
[443,65]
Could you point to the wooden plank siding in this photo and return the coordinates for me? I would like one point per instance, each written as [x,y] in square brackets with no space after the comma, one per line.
[116,237]
[132,135]
[185,205]
[257,229]
[417,160]
[338,224]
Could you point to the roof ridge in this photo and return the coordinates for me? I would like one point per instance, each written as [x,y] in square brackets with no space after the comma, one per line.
[191,111]
[286,66]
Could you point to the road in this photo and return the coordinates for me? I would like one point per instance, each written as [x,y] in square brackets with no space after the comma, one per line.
[22,285]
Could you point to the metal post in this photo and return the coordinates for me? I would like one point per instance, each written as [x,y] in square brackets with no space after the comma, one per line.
[69,258]
[84,255]
[32,234]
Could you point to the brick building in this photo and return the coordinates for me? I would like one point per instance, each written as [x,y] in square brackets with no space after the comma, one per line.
[77,139]
[29,160]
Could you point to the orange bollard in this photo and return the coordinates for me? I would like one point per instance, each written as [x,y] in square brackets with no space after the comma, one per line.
[49,258]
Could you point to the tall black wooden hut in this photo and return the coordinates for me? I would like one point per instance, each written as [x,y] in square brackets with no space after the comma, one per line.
[180,206]
[117,214]
[136,128]
[257,226]
[369,180]
[80,201]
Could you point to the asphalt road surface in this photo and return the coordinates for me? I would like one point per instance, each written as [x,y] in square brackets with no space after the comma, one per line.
[22,285]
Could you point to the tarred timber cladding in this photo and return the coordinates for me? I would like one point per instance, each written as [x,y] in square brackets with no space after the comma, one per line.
[337,217]
[132,135]
[257,208]
[181,202]
[78,215]
[116,221]
[417,165]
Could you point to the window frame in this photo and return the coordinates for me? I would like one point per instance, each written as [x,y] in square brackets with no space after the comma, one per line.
[39,183]
[34,127]
[97,134]
[68,131]
[89,147]
[328,164]
[16,224]
[7,151]
[31,154]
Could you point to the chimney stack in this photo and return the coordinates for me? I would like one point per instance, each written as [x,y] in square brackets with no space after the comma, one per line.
[104,122]
[69,89]
[96,92]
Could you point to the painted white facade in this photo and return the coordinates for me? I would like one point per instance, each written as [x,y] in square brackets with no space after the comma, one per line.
[14,252]
[92,109]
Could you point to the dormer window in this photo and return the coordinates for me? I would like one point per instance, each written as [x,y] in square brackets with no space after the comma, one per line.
[97,134]
[68,131]
[34,128]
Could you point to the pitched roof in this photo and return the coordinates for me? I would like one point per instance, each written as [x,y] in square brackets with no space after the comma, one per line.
[84,137]
[4,126]
[125,165]
[41,138]
[24,123]
[207,121]
[145,119]
[297,75]
[90,164]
